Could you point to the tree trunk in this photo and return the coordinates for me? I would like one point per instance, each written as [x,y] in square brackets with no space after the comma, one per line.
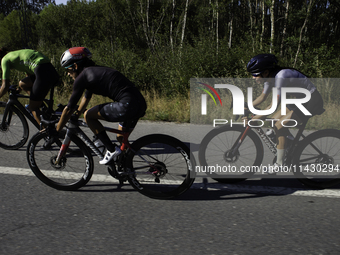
[302,30]
[284,28]
[216,27]
[272,28]
[231,24]
[263,19]
[184,23]
[251,23]
[145,22]
[171,25]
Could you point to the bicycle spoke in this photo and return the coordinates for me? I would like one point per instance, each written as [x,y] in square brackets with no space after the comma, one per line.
[72,171]
[217,151]
[13,129]
[318,159]
[159,167]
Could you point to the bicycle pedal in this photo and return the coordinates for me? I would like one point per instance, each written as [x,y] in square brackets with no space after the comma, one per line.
[112,170]
[122,178]
[116,174]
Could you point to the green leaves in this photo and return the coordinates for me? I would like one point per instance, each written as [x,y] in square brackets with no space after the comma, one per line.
[143,38]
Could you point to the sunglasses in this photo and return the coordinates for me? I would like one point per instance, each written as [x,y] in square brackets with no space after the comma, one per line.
[256,74]
[70,70]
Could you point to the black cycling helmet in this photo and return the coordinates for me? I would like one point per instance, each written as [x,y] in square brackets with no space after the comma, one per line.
[74,55]
[261,63]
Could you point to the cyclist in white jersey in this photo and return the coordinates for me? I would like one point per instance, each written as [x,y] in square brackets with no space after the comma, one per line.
[264,69]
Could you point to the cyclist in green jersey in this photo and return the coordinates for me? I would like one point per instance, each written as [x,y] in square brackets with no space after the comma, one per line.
[40,75]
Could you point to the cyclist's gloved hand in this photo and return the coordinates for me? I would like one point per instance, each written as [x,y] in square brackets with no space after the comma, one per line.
[18,90]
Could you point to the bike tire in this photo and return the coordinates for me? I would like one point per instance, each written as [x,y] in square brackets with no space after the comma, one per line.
[315,169]
[14,129]
[218,142]
[73,173]
[168,155]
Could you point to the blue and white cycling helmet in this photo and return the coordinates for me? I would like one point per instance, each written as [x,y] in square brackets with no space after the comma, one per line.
[261,63]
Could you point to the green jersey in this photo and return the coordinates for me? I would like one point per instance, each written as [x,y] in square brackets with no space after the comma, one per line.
[22,60]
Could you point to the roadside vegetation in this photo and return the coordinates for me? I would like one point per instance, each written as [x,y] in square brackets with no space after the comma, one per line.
[161,44]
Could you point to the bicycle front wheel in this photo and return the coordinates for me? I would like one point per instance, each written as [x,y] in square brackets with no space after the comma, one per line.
[317,159]
[74,170]
[13,128]
[160,166]
[221,161]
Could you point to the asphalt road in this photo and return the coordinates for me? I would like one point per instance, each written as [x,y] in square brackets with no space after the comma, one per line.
[253,217]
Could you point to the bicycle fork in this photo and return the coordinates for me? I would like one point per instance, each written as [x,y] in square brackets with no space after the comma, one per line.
[6,113]
[63,149]
[233,153]
[230,155]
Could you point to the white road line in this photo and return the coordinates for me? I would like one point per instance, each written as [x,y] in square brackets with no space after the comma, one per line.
[330,193]
[28,172]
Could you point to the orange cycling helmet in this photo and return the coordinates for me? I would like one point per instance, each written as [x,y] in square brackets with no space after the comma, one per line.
[74,55]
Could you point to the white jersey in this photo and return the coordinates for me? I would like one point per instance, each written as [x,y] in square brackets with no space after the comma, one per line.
[288,78]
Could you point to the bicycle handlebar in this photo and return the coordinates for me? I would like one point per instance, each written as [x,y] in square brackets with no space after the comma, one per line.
[13,89]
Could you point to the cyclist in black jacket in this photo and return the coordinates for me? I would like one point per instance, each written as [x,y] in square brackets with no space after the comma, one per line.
[128,103]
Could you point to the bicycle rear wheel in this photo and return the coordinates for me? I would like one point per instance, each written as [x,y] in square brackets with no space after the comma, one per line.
[74,170]
[317,159]
[13,129]
[160,166]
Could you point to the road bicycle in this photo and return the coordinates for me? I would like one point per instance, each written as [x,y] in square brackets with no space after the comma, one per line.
[156,165]
[14,130]
[313,159]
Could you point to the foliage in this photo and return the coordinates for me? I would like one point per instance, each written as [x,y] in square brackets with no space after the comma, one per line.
[161,44]
[10,30]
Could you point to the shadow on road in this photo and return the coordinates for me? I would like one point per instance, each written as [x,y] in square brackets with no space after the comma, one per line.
[219,191]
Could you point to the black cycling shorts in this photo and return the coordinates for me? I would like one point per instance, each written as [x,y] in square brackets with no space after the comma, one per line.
[314,106]
[127,111]
[44,78]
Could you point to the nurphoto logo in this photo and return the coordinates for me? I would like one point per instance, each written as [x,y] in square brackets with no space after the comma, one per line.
[239,99]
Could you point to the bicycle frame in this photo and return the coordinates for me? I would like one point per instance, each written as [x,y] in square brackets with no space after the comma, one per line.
[74,129]
[13,101]
[271,146]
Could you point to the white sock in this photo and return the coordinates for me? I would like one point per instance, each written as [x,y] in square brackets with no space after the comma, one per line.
[279,156]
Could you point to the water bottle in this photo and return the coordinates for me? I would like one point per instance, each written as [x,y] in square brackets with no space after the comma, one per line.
[27,109]
[271,134]
[99,144]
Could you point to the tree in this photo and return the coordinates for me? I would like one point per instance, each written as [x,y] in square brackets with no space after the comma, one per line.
[272,28]
[7,6]
[284,28]
[302,30]
[10,31]
[184,22]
